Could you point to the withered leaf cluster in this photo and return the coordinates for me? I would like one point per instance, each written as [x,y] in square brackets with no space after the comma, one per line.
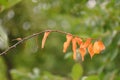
[84,46]
[93,48]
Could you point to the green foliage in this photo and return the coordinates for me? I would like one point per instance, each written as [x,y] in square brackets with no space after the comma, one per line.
[2,70]
[77,72]
[5,4]
[93,77]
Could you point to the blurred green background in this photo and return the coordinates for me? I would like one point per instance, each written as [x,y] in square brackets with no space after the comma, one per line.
[85,18]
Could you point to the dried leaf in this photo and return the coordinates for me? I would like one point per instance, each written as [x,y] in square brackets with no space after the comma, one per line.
[101,45]
[82,52]
[67,43]
[98,47]
[74,46]
[44,38]
[90,50]
[65,46]
[82,45]
[87,42]
[79,40]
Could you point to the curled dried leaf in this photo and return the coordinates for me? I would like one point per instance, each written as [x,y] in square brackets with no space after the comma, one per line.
[101,45]
[98,47]
[79,40]
[67,43]
[82,52]
[74,46]
[90,50]
[44,38]
[87,42]
[82,45]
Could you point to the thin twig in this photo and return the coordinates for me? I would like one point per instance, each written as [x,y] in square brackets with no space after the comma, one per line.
[31,36]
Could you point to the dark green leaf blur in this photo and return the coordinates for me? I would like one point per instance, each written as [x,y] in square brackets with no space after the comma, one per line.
[99,19]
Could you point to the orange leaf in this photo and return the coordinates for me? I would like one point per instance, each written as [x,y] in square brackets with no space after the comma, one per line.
[79,40]
[87,42]
[74,46]
[67,43]
[98,47]
[44,38]
[101,45]
[90,50]
[82,52]
[82,45]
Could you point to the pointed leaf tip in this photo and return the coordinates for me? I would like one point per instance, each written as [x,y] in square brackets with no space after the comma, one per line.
[67,43]
[74,46]
[82,52]
[90,50]
[44,38]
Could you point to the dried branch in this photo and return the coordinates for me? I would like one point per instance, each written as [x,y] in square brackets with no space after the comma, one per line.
[31,36]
